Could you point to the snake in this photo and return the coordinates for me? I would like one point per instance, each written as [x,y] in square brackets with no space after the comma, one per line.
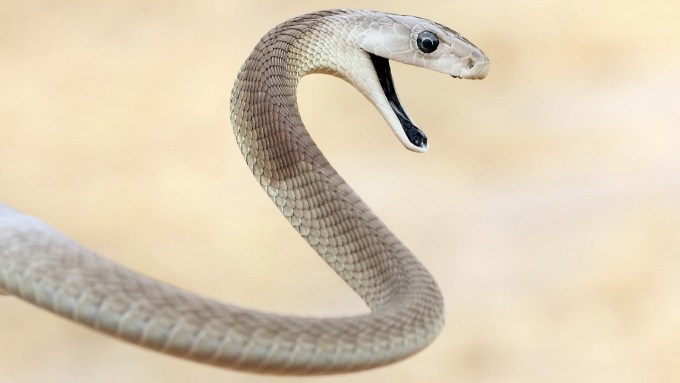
[44,267]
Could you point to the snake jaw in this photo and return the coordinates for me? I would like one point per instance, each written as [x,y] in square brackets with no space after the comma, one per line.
[415,136]
[387,37]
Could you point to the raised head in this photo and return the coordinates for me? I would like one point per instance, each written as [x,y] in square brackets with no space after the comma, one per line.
[414,41]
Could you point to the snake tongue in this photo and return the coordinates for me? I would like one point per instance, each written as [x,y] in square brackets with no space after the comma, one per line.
[382,68]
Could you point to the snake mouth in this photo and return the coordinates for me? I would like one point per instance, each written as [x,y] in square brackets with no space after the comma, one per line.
[382,68]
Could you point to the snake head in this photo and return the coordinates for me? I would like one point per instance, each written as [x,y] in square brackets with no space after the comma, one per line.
[414,41]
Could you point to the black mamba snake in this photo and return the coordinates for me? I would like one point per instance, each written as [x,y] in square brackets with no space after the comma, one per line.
[42,266]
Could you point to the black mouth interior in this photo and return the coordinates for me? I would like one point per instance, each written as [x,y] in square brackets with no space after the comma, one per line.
[382,68]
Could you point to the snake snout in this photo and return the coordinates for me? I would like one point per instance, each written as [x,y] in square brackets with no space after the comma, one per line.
[475,66]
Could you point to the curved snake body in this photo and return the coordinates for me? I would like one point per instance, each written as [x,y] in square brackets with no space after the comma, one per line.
[42,266]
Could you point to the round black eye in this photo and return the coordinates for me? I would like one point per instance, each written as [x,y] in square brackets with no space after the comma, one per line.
[427,42]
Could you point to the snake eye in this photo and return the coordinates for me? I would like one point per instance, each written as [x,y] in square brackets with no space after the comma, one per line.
[427,41]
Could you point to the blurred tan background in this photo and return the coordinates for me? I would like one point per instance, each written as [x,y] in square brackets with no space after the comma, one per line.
[548,207]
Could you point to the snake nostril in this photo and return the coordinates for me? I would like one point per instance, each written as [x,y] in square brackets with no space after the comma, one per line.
[468,63]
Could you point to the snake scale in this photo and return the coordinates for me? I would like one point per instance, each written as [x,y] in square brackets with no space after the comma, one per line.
[42,266]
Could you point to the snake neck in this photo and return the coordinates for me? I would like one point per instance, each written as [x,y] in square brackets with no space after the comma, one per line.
[297,177]
[264,111]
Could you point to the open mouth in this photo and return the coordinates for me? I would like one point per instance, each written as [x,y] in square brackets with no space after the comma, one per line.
[382,68]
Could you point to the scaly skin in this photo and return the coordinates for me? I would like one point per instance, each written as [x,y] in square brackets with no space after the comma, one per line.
[42,266]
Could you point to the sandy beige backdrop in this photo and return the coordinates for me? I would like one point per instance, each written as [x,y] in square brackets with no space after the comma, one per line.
[548,207]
